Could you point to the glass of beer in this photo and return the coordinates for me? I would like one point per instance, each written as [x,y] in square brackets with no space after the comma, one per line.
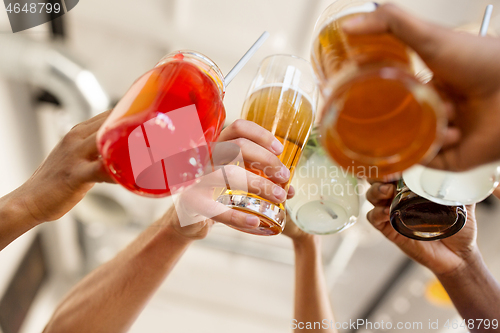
[282,99]
[418,218]
[378,119]
[326,197]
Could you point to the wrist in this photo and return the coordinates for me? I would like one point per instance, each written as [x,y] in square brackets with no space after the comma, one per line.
[171,227]
[307,242]
[470,268]
[13,207]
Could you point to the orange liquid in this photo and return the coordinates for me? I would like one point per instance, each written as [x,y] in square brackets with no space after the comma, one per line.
[333,50]
[377,134]
[373,125]
[289,116]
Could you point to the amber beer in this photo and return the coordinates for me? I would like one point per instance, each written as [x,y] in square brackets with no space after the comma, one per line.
[378,119]
[418,218]
[289,115]
[333,50]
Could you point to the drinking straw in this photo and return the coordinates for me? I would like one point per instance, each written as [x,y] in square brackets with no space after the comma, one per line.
[486,20]
[242,62]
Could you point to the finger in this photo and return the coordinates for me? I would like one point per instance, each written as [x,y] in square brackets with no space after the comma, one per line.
[94,172]
[96,122]
[238,179]
[238,219]
[196,203]
[450,111]
[446,159]
[291,192]
[264,188]
[423,37]
[253,132]
[89,147]
[91,125]
[496,193]
[380,194]
[98,118]
[378,216]
[451,137]
[257,157]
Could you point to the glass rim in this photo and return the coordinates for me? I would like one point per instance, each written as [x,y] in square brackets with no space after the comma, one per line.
[322,21]
[285,55]
[213,66]
[290,56]
[313,96]
[325,19]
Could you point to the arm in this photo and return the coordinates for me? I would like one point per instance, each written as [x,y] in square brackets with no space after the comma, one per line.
[474,284]
[111,297]
[59,183]
[474,291]
[15,219]
[456,260]
[312,304]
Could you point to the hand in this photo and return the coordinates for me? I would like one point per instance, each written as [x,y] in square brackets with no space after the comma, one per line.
[442,256]
[195,206]
[296,234]
[466,71]
[63,179]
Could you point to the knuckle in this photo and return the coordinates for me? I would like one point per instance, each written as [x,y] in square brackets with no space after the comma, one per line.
[271,159]
[256,182]
[70,136]
[370,197]
[73,135]
[262,182]
[233,219]
[229,170]
[269,137]
[389,9]
[369,215]
[241,142]
[239,125]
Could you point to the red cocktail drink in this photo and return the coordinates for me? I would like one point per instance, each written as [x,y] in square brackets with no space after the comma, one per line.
[157,138]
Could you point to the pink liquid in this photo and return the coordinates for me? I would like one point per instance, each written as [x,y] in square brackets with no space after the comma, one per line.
[150,146]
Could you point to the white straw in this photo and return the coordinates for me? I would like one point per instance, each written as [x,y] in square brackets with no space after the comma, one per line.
[239,65]
[486,20]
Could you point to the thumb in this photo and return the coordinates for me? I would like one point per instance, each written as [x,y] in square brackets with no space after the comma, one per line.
[425,38]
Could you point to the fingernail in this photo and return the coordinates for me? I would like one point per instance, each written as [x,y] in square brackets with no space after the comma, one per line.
[384,189]
[277,147]
[279,193]
[353,23]
[252,221]
[387,210]
[284,173]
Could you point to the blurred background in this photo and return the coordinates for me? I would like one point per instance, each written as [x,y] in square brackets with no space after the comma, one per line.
[67,70]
